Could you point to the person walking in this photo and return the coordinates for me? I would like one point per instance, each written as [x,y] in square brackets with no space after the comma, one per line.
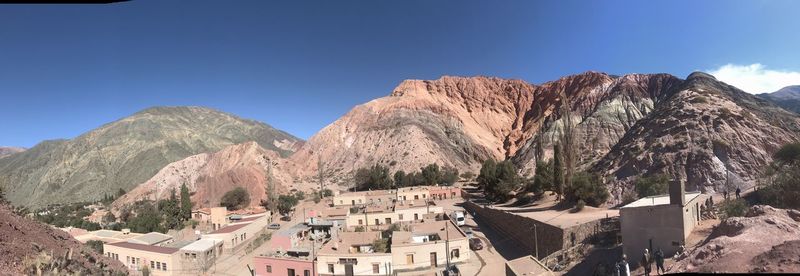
[659,256]
[646,262]
[738,191]
[624,269]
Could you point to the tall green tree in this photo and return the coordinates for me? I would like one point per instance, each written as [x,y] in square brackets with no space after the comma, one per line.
[186,203]
[498,179]
[374,178]
[235,199]
[449,176]
[399,178]
[558,171]
[651,185]
[543,179]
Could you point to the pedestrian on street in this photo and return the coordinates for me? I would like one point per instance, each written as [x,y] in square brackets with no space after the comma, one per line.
[647,262]
[624,269]
[659,256]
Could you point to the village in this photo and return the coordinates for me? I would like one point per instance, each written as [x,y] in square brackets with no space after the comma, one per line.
[418,230]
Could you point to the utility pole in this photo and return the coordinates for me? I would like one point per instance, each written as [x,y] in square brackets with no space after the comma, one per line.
[447,246]
[536,242]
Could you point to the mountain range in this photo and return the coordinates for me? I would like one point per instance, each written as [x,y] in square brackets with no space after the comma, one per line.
[697,129]
[127,152]
[787,97]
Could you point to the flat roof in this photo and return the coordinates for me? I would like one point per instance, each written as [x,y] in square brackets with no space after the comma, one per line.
[151,238]
[345,240]
[428,228]
[145,247]
[659,200]
[292,230]
[201,245]
[230,228]
[528,265]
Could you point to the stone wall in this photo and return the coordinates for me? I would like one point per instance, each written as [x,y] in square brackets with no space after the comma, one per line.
[551,239]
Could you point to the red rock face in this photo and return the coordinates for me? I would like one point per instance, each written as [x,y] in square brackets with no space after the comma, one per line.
[210,176]
[461,122]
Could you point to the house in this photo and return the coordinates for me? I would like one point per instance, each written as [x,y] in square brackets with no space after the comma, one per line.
[353,253]
[160,260]
[429,245]
[444,192]
[663,221]
[292,262]
[410,211]
[288,238]
[107,236]
[152,238]
[365,197]
[202,215]
[413,193]
[199,256]
[235,236]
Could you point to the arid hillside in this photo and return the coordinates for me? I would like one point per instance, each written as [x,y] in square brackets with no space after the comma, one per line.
[210,175]
[5,151]
[29,247]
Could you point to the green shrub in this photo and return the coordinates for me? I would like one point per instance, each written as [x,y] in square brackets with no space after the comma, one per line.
[579,206]
[733,208]
[651,185]
[587,187]
[95,245]
[235,199]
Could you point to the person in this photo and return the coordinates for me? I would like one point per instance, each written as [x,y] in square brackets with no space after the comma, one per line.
[624,269]
[725,194]
[659,256]
[738,191]
[646,262]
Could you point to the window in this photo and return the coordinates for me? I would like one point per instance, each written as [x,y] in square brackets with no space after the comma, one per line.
[423,195]
[377,221]
[388,220]
[360,222]
[269,269]
[376,268]
[306,273]
[416,196]
[409,258]
[400,216]
[359,201]
[330,268]
[152,265]
[138,261]
[290,272]
[454,254]
[416,217]
[341,202]
[164,266]
[127,259]
[158,265]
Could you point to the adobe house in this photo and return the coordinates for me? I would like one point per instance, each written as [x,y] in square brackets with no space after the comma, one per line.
[663,221]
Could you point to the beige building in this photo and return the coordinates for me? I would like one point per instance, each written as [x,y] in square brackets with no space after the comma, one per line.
[107,236]
[382,216]
[365,197]
[427,246]
[199,256]
[352,253]
[413,193]
[159,260]
[233,236]
[659,222]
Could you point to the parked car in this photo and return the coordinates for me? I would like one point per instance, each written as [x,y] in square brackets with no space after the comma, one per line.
[286,218]
[475,244]
[468,232]
[458,218]
[452,271]
[274,226]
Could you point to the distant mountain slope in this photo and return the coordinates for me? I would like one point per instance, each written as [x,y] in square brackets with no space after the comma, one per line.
[787,97]
[5,151]
[461,122]
[705,128]
[210,175]
[127,152]
[24,243]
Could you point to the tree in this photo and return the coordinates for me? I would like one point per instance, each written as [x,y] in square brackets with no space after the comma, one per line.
[449,176]
[235,199]
[171,211]
[147,219]
[327,192]
[498,179]
[788,154]
[651,185]
[587,187]
[95,245]
[399,178]
[567,139]
[286,203]
[186,203]
[543,179]
[733,208]
[431,174]
[558,171]
[373,178]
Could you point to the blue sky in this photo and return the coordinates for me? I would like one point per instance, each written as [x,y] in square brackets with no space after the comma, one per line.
[300,65]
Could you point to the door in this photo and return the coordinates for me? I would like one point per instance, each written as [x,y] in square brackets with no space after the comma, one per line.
[348,269]
[433,259]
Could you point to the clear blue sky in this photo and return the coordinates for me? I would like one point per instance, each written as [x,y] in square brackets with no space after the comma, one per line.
[300,65]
